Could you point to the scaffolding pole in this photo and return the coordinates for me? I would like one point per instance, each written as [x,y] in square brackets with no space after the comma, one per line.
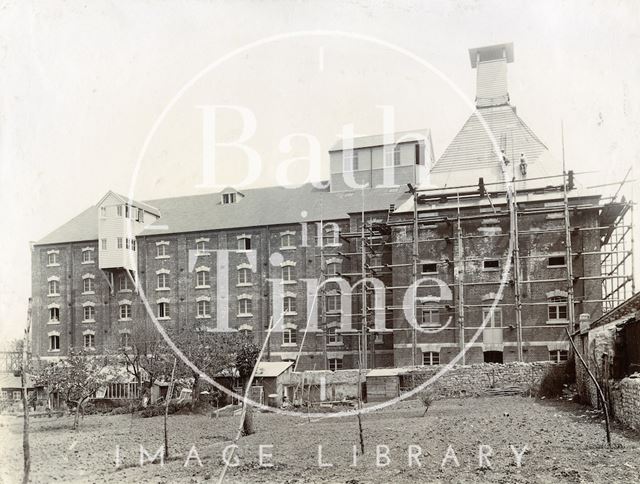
[460,277]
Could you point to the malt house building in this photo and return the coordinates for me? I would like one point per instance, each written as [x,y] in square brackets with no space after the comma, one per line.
[521,252]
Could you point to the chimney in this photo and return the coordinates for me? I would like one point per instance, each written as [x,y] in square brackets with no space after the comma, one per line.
[491,65]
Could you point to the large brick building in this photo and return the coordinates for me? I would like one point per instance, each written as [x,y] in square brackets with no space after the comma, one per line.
[216,261]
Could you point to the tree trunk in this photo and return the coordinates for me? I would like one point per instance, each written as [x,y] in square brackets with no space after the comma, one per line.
[76,419]
[195,393]
[247,423]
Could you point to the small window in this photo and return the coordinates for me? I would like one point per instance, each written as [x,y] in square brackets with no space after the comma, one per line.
[140,217]
[289,336]
[125,340]
[557,261]
[430,268]
[286,240]
[493,317]
[127,211]
[557,308]
[204,309]
[201,247]
[89,340]
[54,342]
[54,288]
[104,244]
[228,198]
[430,317]
[288,273]
[163,310]
[202,278]
[54,314]
[161,250]
[558,355]
[103,212]
[126,243]
[430,358]
[332,269]
[333,337]
[87,256]
[244,306]
[244,243]
[392,156]
[491,264]
[52,258]
[119,210]
[89,313]
[133,244]
[333,302]
[351,161]
[124,283]
[335,364]
[87,285]
[125,311]
[244,276]
[119,242]
[163,281]
[290,304]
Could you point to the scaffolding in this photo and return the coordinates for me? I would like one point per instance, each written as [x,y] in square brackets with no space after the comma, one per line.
[615,251]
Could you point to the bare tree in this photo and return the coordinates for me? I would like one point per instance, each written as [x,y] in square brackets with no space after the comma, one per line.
[211,352]
[77,378]
[145,356]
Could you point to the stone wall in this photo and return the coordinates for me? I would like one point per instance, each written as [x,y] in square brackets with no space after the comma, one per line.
[625,402]
[470,380]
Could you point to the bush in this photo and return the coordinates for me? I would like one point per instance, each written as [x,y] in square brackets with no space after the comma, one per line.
[426,397]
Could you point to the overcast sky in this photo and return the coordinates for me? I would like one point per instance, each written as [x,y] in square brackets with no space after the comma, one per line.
[84,82]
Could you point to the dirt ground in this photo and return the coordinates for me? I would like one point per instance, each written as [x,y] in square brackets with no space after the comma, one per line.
[565,443]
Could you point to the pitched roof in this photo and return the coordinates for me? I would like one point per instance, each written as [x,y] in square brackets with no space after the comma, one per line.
[472,152]
[270,369]
[259,207]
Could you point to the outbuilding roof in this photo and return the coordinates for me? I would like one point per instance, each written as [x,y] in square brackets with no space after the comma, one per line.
[271,369]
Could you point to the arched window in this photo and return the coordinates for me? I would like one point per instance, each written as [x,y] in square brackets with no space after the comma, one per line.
[289,336]
[163,281]
[87,285]
[244,276]
[89,313]
[163,310]
[54,342]
[125,311]
[557,307]
[204,308]
[89,340]
[202,278]
[244,306]
[54,288]
[289,304]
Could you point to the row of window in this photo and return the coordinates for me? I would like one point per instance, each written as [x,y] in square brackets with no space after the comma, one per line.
[126,211]
[494,264]
[430,358]
[351,159]
[53,256]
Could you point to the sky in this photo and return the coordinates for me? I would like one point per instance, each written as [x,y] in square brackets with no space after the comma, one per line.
[107,95]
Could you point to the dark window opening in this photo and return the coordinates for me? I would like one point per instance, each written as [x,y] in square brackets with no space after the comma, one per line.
[557,261]
[493,356]
[491,264]
[429,268]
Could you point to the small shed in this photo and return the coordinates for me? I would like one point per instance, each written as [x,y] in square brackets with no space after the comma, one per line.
[269,376]
[11,392]
[383,384]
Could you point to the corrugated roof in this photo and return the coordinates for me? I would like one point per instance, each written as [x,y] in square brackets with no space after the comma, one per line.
[259,207]
[380,140]
[472,151]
